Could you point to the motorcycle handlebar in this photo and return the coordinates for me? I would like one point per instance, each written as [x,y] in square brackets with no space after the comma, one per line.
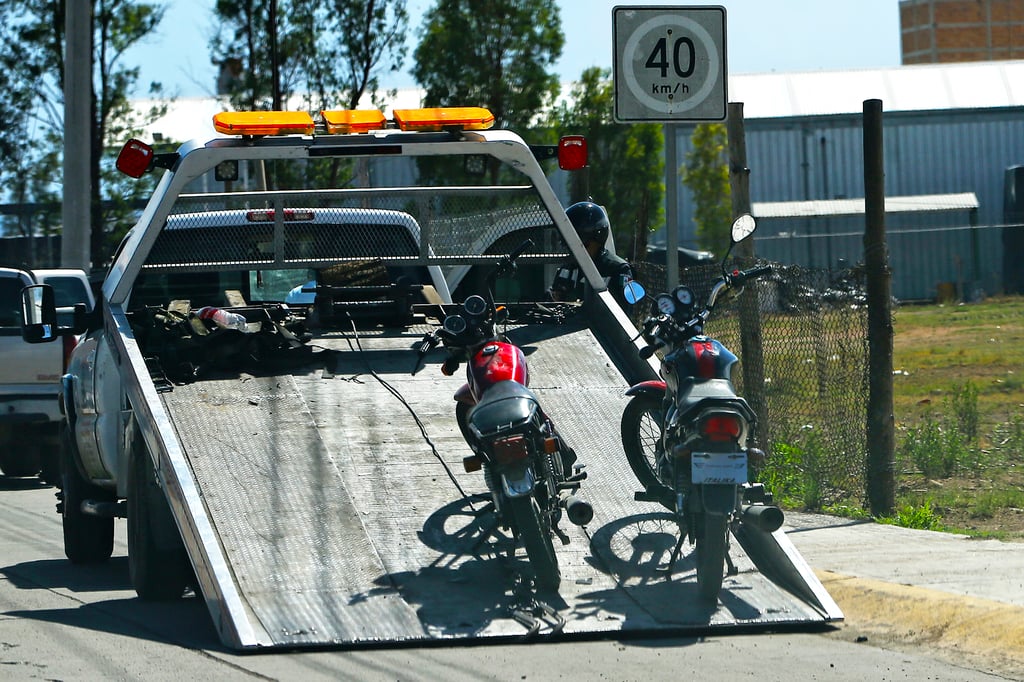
[741,276]
[520,249]
[648,351]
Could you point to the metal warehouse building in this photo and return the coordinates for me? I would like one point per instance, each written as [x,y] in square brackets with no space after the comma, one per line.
[951,132]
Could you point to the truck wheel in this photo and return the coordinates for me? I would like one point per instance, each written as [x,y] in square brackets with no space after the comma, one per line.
[87,539]
[157,562]
[21,456]
[49,453]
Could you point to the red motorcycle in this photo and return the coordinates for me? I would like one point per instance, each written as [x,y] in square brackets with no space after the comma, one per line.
[530,471]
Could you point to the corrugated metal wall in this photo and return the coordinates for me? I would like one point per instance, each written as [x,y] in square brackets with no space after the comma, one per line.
[934,152]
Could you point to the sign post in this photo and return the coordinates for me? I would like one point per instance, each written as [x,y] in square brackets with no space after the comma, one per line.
[670,66]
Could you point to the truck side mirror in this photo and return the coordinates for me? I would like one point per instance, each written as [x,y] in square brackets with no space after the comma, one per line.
[38,313]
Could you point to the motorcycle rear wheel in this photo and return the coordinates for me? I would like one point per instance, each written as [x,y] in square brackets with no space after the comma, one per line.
[536,539]
[710,553]
[641,440]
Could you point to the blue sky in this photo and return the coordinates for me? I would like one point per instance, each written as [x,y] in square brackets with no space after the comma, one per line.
[762,36]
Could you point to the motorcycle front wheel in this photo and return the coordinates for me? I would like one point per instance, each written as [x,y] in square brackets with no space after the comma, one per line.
[710,553]
[641,441]
[537,541]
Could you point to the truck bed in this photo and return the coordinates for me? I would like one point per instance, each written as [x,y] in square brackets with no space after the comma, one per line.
[338,523]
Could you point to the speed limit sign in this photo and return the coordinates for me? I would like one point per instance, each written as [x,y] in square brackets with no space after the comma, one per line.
[669,63]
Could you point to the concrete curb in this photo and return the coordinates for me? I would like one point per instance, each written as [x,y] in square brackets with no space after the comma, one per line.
[970,626]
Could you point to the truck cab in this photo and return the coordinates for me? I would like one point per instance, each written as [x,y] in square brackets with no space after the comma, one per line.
[30,374]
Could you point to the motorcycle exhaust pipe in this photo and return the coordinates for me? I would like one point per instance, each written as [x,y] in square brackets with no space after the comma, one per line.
[579,512]
[764,517]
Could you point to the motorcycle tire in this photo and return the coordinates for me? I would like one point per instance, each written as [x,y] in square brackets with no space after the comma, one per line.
[536,540]
[710,554]
[641,437]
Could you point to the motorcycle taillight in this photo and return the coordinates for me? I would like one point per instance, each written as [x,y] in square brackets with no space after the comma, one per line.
[721,427]
[509,450]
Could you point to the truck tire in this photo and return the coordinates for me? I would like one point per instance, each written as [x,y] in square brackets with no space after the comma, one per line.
[157,561]
[536,539]
[20,457]
[87,539]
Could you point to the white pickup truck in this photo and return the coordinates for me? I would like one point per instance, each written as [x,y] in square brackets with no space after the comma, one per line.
[30,374]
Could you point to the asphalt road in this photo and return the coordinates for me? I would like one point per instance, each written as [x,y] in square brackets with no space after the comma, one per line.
[59,622]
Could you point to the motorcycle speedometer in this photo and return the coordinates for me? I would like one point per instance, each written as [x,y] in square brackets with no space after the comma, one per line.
[455,324]
[684,295]
[666,304]
[475,306]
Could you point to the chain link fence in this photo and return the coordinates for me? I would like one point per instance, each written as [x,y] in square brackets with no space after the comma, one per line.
[812,402]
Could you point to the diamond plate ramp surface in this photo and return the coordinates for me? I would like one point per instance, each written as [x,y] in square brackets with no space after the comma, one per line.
[339,498]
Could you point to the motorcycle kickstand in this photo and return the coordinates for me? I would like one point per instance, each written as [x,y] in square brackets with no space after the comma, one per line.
[560,534]
[676,551]
[532,613]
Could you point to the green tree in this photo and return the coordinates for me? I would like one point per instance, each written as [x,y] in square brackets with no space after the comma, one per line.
[706,175]
[625,171]
[32,38]
[491,53]
[328,51]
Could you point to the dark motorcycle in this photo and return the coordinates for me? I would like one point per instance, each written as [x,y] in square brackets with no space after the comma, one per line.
[530,471]
[686,436]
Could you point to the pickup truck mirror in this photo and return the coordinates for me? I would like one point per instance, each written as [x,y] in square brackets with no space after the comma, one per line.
[39,315]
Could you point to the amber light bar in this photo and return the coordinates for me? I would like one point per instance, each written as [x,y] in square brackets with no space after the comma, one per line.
[463,118]
[263,123]
[345,121]
[353,120]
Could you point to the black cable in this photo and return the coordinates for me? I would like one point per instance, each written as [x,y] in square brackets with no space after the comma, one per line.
[419,423]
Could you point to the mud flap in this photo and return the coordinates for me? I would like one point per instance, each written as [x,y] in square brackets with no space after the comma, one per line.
[717,499]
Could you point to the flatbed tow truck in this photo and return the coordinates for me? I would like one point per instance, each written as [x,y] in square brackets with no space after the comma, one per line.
[295,472]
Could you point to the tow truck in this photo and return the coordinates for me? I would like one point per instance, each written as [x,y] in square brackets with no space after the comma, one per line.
[292,471]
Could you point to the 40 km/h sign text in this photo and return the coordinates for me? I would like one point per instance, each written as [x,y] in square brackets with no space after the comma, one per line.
[670,63]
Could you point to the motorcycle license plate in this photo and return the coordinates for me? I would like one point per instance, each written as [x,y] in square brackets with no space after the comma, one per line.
[718,467]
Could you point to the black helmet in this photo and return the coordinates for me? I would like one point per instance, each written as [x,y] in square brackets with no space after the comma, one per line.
[590,221]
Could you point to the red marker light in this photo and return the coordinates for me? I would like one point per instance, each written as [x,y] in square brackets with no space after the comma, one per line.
[572,152]
[134,158]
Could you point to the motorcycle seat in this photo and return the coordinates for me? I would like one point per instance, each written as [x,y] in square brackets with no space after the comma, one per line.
[507,407]
[721,391]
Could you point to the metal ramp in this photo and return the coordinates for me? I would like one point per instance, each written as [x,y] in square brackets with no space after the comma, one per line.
[339,525]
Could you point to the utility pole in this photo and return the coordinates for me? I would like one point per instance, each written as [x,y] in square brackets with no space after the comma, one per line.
[881,469]
[75,211]
[751,342]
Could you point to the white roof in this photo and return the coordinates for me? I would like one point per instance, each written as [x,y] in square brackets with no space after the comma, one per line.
[836,207]
[969,85]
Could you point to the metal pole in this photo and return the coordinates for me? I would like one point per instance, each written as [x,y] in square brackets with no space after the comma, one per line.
[881,466]
[671,207]
[275,70]
[75,210]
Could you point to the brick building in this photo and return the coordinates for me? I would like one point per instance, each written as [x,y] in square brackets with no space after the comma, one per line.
[936,31]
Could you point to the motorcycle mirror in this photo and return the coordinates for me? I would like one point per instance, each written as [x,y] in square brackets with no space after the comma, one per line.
[633,291]
[743,227]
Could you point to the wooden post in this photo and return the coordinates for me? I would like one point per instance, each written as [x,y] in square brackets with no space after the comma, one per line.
[751,350]
[881,465]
